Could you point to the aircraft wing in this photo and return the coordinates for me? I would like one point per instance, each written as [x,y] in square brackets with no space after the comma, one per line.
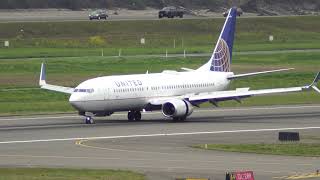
[246,92]
[236,94]
[241,93]
[66,90]
[44,85]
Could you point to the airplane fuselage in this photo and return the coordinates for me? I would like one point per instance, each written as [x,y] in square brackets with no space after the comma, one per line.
[133,92]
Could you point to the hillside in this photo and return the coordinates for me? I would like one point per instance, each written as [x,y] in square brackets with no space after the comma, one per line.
[264,7]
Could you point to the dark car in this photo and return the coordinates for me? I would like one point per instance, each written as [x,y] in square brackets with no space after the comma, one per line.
[239,12]
[98,14]
[171,12]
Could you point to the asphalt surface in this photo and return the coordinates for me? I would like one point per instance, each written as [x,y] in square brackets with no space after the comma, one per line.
[52,15]
[160,148]
[57,15]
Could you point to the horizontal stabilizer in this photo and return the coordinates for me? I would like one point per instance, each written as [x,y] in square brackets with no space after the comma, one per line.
[256,73]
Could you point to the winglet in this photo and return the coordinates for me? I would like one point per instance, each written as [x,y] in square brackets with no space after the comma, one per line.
[313,85]
[315,81]
[42,80]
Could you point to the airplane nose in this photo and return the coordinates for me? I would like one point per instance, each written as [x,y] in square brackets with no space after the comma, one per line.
[76,101]
[73,98]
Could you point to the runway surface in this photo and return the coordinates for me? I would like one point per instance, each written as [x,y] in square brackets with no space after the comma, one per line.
[160,148]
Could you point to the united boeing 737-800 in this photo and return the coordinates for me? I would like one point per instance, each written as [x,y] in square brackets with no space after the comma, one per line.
[174,93]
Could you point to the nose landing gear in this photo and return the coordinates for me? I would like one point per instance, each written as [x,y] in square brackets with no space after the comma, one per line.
[134,116]
[89,120]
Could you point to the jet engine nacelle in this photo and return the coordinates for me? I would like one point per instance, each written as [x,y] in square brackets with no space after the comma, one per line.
[177,108]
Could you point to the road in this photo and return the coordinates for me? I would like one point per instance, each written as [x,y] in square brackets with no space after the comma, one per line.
[59,15]
[160,148]
[53,15]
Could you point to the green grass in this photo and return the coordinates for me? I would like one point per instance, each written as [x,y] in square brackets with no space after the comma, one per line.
[18,74]
[51,38]
[72,51]
[39,101]
[291,149]
[66,174]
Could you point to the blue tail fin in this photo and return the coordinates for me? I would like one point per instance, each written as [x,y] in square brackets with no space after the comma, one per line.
[220,60]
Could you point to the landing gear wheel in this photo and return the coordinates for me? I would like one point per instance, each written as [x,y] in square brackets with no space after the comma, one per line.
[137,115]
[179,119]
[89,120]
[131,116]
[134,115]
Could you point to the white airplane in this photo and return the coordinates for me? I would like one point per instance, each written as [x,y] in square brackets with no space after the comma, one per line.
[174,93]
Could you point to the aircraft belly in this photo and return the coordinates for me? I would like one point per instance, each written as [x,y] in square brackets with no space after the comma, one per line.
[112,105]
[125,104]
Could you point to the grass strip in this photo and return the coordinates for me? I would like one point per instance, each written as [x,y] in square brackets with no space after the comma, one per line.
[19,92]
[66,174]
[287,31]
[290,149]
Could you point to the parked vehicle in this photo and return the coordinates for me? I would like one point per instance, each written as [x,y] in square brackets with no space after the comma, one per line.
[239,12]
[171,12]
[98,14]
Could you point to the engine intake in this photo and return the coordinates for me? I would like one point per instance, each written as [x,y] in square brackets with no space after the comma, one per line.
[177,108]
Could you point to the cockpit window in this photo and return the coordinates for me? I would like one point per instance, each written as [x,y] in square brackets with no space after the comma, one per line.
[84,90]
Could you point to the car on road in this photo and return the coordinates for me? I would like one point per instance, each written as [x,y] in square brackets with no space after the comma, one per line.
[239,12]
[171,12]
[98,14]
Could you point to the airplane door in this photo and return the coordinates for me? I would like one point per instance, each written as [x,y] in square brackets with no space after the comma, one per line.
[106,93]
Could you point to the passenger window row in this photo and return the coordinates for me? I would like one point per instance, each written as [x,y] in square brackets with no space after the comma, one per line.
[182,86]
[129,89]
[164,87]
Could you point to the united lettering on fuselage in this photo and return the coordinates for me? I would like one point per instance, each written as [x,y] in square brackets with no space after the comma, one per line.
[128,83]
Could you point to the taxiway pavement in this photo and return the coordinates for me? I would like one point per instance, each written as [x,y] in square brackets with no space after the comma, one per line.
[160,148]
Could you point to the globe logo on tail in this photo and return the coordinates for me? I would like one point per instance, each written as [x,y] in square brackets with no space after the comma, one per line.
[221,57]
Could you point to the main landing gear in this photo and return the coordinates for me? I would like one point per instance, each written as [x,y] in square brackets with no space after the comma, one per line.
[134,116]
[89,120]
[179,119]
